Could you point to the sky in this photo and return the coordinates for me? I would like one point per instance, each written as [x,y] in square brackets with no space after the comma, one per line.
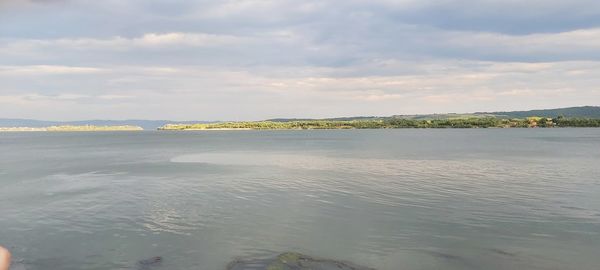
[260,59]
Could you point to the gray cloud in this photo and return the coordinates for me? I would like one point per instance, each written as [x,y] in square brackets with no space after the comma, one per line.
[253,59]
[503,16]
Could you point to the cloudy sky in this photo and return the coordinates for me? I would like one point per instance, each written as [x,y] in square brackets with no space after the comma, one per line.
[257,59]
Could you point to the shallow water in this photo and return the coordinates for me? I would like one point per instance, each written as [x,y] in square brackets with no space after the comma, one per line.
[387,199]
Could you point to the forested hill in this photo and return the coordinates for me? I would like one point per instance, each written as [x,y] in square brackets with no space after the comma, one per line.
[574,112]
[580,112]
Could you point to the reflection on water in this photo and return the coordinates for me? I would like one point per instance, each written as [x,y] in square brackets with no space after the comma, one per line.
[401,199]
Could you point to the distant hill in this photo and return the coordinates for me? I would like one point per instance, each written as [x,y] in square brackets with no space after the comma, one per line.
[584,112]
[443,116]
[328,119]
[578,112]
[145,124]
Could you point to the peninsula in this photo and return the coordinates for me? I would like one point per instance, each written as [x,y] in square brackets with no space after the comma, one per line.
[392,122]
[584,116]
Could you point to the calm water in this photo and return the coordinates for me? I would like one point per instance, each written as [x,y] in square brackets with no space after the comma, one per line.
[388,199]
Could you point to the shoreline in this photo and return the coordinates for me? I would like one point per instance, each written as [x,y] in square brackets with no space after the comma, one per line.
[306,129]
[393,123]
[87,128]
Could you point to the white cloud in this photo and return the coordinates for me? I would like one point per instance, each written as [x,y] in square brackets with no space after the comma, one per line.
[253,59]
[196,90]
[66,97]
[560,43]
[46,70]
[118,43]
[185,39]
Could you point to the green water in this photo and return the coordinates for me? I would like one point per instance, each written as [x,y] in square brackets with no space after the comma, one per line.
[387,199]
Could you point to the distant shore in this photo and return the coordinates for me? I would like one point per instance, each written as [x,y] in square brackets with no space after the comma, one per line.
[391,123]
[84,128]
[210,129]
[379,123]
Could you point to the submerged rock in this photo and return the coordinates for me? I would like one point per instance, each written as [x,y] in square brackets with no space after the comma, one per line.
[149,263]
[293,261]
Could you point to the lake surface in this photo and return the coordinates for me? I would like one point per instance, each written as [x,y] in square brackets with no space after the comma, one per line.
[387,199]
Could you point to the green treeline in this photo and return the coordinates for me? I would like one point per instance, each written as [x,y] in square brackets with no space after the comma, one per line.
[577,122]
[392,122]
